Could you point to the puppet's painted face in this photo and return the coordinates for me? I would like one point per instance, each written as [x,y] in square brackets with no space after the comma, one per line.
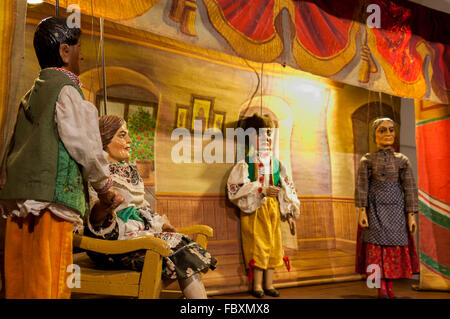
[119,147]
[263,141]
[385,134]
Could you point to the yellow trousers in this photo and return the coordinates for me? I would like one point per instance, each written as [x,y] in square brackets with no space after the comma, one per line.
[38,250]
[261,236]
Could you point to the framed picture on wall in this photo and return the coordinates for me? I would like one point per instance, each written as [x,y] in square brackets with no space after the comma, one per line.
[218,121]
[182,117]
[202,108]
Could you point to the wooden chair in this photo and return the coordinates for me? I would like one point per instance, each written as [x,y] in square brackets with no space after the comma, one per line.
[144,285]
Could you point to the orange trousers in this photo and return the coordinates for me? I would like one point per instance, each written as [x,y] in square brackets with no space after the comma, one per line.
[38,250]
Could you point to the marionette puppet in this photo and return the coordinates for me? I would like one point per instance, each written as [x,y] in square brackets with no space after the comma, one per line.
[134,217]
[386,196]
[262,189]
[55,150]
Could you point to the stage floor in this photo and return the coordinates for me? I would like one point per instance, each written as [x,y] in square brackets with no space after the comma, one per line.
[342,290]
[346,290]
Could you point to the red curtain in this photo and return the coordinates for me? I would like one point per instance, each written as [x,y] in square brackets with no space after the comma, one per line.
[329,34]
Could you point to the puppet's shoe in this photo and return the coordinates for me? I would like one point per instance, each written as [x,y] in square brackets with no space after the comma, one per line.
[382,295]
[272,292]
[382,291]
[258,293]
[390,293]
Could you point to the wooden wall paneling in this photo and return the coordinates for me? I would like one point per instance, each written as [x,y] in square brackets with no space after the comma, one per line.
[184,213]
[348,221]
[161,206]
[338,221]
[209,218]
[315,225]
[194,216]
[221,223]
[326,216]
[198,213]
[318,219]
[345,218]
[173,213]
[218,220]
[231,219]
[209,207]
[307,223]
[343,214]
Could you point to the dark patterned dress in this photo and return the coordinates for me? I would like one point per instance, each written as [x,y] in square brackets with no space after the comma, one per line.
[135,218]
[385,186]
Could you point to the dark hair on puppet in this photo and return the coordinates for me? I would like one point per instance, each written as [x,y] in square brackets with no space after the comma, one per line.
[50,34]
[257,121]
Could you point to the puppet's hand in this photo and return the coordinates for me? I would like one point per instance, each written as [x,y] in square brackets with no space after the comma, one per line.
[363,221]
[112,198]
[412,223]
[272,191]
[99,213]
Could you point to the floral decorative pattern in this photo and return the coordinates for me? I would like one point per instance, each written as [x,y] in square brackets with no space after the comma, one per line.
[233,188]
[394,261]
[129,172]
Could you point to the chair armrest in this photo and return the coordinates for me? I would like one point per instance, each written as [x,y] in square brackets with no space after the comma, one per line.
[196,229]
[122,246]
[202,231]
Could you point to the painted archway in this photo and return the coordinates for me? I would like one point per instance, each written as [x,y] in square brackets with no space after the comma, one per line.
[115,76]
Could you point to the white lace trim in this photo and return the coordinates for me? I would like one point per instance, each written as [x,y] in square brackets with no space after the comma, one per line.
[21,208]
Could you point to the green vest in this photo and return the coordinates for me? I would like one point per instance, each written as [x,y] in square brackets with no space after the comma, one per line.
[38,165]
[252,173]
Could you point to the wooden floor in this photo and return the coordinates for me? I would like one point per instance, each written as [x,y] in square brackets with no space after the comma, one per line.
[309,265]
[343,290]
[346,290]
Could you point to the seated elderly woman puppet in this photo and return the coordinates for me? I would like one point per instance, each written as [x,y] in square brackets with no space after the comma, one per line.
[135,217]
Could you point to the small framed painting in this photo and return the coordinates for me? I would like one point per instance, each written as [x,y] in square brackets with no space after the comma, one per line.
[218,121]
[182,116]
[201,110]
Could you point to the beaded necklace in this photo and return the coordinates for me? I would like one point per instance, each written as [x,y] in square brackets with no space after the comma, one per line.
[71,75]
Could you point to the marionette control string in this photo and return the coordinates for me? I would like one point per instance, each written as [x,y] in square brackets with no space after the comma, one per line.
[257,86]
[261,97]
[97,55]
[96,50]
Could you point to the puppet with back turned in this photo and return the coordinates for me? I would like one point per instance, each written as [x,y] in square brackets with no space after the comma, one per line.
[55,150]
